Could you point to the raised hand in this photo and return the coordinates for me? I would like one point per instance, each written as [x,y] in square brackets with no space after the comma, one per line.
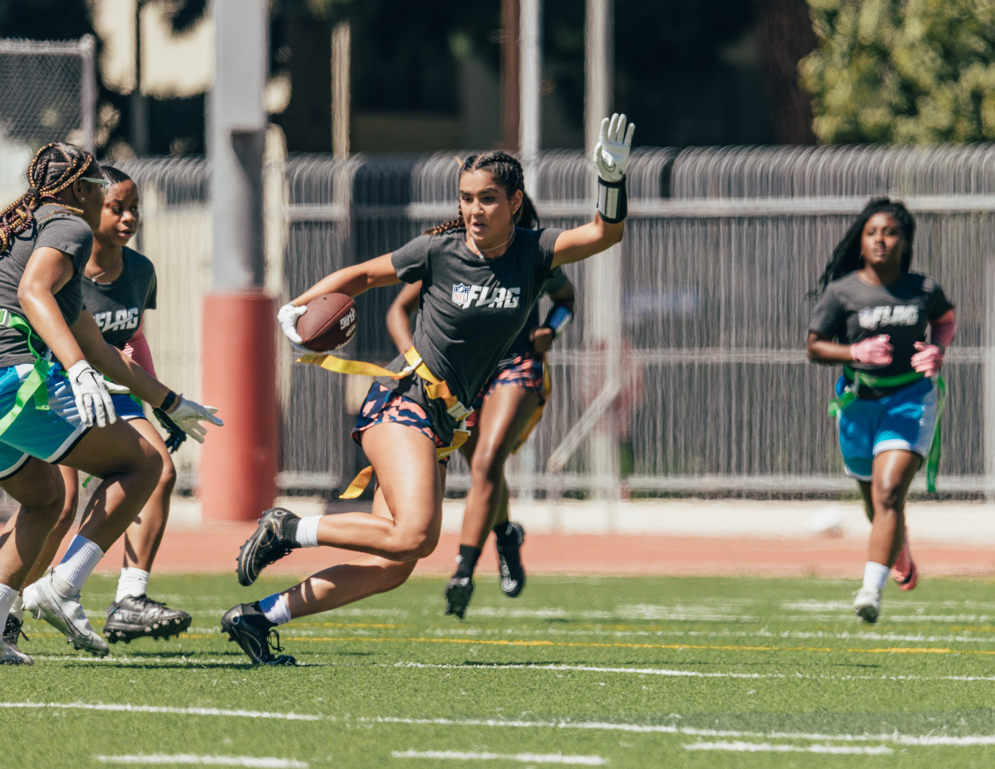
[611,154]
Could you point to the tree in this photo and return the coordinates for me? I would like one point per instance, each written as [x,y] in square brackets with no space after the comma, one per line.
[904,71]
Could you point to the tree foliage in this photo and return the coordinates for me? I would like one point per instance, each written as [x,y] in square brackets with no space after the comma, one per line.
[904,71]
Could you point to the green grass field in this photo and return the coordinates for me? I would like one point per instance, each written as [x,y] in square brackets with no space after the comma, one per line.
[623,672]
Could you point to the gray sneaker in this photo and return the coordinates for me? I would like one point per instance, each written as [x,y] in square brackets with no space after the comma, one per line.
[57,602]
[11,655]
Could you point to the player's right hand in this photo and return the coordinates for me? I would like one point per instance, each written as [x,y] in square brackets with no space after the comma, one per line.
[90,393]
[611,154]
[288,316]
[875,350]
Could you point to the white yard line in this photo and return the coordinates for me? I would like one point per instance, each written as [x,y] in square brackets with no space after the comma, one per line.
[525,758]
[766,747]
[192,760]
[155,709]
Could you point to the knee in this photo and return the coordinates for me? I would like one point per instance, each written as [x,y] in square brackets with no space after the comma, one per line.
[167,476]
[395,575]
[409,546]
[52,506]
[888,498]
[487,464]
[151,464]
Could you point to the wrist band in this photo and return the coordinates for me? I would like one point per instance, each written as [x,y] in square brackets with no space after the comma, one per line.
[558,319]
[168,401]
[612,203]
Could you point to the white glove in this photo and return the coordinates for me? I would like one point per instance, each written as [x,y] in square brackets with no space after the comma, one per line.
[288,317]
[188,417]
[90,392]
[115,389]
[611,153]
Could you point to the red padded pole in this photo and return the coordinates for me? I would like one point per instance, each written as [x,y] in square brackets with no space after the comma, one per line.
[239,462]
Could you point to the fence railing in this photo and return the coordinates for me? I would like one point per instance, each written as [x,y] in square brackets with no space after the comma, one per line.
[699,383]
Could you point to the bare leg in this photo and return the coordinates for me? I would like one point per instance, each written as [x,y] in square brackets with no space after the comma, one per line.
[70,479]
[130,467]
[408,475]
[143,536]
[893,474]
[38,487]
[502,418]
[410,501]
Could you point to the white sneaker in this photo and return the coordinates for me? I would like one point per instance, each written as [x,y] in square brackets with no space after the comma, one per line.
[57,602]
[11,655]
[867,604]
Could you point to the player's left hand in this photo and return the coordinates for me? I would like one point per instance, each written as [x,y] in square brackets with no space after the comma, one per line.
[188,416]
[928,360]
[542,339]
[611,154]
[176,435]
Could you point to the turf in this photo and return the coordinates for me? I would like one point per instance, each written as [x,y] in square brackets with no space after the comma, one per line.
[624,672]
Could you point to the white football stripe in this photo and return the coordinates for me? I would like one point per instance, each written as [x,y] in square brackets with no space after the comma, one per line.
[766,747]
[157,709]
[525,758]
[191,760]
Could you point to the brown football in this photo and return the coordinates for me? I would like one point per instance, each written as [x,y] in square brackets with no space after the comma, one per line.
[329,323]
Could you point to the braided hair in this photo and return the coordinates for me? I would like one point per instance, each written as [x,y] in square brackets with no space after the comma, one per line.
[847,257]
[507,173]
[54,168]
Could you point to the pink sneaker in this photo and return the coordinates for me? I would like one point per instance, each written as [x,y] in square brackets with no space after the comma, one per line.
[904,572]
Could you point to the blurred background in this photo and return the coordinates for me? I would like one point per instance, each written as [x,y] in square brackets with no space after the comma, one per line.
[763,128]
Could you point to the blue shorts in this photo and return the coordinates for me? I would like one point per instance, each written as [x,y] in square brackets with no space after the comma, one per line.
[127,408]
[49,434]
[905,420]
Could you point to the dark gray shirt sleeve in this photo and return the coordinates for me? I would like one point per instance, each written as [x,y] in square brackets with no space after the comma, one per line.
[827,317]
[938,305]
[557,282]
[411,260]
[68,234]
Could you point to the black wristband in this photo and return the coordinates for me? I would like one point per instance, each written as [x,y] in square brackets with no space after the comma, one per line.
[612,202]
[168,401]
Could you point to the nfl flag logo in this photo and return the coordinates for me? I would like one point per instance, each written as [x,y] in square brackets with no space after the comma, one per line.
[461,294]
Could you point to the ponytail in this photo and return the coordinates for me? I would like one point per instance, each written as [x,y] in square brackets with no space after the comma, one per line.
[54,168]
[507,172]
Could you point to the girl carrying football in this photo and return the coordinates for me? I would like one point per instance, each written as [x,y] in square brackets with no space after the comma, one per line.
[872,317]
[479,283]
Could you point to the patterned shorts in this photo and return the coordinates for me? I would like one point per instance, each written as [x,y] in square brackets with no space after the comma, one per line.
[382,405]
[525,371]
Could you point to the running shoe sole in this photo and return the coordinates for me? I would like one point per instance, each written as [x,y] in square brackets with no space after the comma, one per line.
[270,523]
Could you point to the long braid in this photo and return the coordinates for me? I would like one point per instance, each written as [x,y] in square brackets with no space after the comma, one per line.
[847,257]
[54,168]
[507,172]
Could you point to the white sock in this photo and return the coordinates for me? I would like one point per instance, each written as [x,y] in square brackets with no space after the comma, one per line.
[876,575]
[7,597]
[132,582]
[80,559]
[307,531]
[17,608]
[276,608]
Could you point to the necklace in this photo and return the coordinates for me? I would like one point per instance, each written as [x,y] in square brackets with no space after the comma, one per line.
[480,251]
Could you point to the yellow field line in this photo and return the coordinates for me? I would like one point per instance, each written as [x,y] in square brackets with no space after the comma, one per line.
[574,644]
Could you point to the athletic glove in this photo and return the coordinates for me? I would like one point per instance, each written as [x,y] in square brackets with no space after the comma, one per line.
[288,316]
[189,415]
[611,153]
[875,350]
[90,392]
[176,435]
[928,360]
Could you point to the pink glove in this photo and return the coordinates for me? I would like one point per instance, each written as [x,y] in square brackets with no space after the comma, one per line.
[928,360]
[876,351]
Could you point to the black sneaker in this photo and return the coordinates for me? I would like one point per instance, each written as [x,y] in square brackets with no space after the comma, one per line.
[13,630]
[249,628]
[458,593]
[509,549]
[142,617]
[267,545]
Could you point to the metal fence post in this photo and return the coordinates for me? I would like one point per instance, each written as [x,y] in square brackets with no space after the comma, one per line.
[88,95]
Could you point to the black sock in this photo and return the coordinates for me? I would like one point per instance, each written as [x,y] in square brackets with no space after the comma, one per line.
[468,556]
[504,532]
[289,531]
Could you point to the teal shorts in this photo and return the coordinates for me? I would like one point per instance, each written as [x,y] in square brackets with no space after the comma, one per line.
[48,434]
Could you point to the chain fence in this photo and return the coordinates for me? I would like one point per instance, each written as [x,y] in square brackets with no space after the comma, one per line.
[700,383]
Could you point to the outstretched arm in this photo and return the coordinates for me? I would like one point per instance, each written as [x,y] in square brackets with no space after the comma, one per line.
[399,316]
[611,158]
[353,280]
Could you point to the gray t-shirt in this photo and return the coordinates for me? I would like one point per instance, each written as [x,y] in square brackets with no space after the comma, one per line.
[54,227]
[472,309]
[523,342]
[118,306]
[850,311]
